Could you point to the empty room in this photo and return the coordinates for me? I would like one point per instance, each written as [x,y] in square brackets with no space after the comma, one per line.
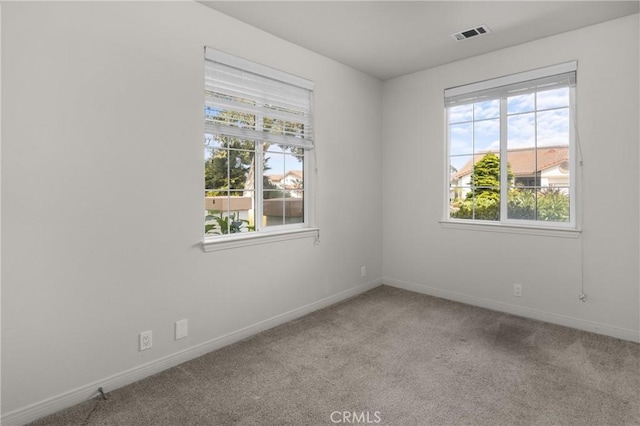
[415,213]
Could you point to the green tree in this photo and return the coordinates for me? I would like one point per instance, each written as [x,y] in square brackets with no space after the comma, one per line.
[485,179]
[522,203]
[228,165]
[483,201]
[545,204]
[553,205]
[230,159]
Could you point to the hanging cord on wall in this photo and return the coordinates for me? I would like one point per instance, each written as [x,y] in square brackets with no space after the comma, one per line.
[316,178]
[316,193]
[582,296]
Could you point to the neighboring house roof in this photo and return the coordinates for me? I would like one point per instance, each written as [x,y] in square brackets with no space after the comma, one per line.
[275,178]
[522,161]
[278,179]
[295,173]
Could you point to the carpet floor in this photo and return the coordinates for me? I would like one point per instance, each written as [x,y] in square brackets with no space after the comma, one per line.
[389,357]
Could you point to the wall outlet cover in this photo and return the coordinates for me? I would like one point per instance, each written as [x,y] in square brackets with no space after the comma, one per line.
[182,329]
[145,340]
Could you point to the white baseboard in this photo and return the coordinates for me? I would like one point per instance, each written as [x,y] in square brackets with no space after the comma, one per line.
[83,393]
[619,333]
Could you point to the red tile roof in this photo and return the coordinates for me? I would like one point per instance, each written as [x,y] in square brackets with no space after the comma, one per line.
[522,161]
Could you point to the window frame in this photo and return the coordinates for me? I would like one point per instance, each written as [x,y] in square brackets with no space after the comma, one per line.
[266,233]
[571,228]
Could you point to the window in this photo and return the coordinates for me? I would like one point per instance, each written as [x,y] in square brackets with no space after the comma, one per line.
[511,149]
[257,123]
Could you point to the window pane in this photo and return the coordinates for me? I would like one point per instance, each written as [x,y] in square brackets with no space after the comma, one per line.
[459,206]
[461,167]
[487,109]
[486,135]
[553,127]
[241,174]
[485,186]
[229,214]
[273,208]
[273,171]
[521,131]
[522,203]
[553,204]
[553,166]
[475,191]
[521,103]
[294,207]
[461,139]
[211,141]
[461,113]
[486,170]
[229,169]
[274,148]
[553,98]
[521,164]
[550,204]
[486,203]
[293,173]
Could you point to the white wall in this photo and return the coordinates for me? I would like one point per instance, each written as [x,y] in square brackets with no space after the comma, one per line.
[102,161]
[481,267]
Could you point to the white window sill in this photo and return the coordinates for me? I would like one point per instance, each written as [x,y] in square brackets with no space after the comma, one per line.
[513,229]
[254,238]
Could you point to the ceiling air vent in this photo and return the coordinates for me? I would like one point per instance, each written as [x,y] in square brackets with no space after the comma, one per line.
[471,32]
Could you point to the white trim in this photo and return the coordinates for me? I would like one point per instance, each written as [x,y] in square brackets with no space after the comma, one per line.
[564,320]
[51,405]
[511,229]
[512,79]
[254,238]
[215,55]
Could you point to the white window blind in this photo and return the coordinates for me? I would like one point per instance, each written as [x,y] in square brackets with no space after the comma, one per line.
[547,78]
[281,102]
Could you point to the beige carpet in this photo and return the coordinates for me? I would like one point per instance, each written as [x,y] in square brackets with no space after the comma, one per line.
[399,357]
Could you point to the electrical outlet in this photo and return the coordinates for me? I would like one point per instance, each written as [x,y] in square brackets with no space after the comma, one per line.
[146,340]
[182,328]
[363,271]
[517,290]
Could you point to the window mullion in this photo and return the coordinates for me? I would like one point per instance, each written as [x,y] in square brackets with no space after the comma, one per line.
[504,167]
[537,184]
[259,173]
[473,150]
[227,212]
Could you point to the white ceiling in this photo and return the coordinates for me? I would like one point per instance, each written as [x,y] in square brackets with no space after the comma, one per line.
[387,39]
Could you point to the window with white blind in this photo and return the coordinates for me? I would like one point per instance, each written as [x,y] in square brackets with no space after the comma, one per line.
[512,150]
[258,133]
